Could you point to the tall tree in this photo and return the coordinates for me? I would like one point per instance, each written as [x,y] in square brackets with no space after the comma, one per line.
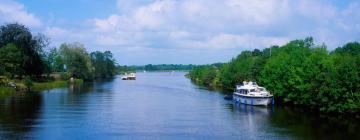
[31,47]
[76,60]
[10,60]
[104,64]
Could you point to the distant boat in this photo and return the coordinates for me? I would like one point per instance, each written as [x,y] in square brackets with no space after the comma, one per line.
[252,94]
[130,76]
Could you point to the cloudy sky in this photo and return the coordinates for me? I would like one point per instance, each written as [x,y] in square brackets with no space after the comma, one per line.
[185,31]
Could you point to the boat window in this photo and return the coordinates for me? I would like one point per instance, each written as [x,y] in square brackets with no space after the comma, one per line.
[252,90]
[254,83]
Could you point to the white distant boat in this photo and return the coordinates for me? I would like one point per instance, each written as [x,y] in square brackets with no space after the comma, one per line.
[252,94]
[130,76]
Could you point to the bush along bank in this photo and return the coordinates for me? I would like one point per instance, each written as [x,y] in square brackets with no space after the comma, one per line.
[300,73]
[26,57]
[27,85]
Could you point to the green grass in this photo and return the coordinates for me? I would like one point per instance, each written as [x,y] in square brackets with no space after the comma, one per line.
[37,86]
[78,81]
[49,85]
[6,91]
[54,84]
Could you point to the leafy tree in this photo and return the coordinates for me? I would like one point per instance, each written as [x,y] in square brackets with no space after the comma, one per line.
[352,48]
[300,73]
[10,60]
[55,60]
[77,61]
[104,64]
[28,45]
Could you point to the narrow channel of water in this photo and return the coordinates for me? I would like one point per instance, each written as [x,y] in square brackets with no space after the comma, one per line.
[157,106]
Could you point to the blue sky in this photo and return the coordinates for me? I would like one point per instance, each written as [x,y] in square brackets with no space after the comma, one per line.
[185,31]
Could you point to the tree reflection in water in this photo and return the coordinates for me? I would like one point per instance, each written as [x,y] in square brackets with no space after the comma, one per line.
[19,114]
[295,122]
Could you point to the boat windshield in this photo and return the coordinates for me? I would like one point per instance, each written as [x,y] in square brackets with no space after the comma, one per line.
[262,89]
[254,83]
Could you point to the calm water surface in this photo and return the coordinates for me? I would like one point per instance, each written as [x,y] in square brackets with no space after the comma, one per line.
[157,106]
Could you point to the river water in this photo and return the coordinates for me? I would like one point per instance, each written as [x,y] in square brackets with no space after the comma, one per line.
[161,105]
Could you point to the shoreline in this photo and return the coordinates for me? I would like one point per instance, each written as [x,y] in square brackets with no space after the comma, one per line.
[6,91]
[279,102]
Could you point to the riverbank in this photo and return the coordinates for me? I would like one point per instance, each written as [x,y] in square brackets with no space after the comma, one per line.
[36,86]
[173,100]
[299,73]
[6,91]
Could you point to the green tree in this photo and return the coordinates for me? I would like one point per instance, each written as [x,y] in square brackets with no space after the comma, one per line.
[299,72]
[104,64]
[77,61]
[28,45]
[352,48]
[10,60]
[55,60]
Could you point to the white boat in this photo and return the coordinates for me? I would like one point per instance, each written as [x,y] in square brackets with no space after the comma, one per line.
[252,94]
[130,76]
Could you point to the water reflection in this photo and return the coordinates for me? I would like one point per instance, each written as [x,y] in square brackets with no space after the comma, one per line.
[19,114]
[305,124]
[158,106]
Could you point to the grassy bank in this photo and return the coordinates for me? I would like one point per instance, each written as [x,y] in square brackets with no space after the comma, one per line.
[37,86]
[49,85]
[55,84]
[6,91]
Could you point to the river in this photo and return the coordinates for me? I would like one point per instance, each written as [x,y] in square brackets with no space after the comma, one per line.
[158,105]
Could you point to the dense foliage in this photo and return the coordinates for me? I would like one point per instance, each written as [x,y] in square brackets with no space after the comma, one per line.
[73,60]
[76,60]
[20,51]
[299,73]
[163,67]
[22,54]
[206,75]
[103,63]
[125,69]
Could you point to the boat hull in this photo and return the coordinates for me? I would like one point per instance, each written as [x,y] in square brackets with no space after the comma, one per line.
[128,78]
[260,101]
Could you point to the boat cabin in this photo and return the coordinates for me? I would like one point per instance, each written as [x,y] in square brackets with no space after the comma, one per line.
[249,87]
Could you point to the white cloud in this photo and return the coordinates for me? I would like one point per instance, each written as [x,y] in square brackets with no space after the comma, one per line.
[11,11]
[179,35]
[170,26]
[231,41]
[191,20]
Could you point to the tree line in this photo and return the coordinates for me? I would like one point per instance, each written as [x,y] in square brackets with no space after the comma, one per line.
[24,54]
[163,67]
[300,73]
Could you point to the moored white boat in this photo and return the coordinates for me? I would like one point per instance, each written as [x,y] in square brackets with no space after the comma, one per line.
[130,76]
[252,94]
